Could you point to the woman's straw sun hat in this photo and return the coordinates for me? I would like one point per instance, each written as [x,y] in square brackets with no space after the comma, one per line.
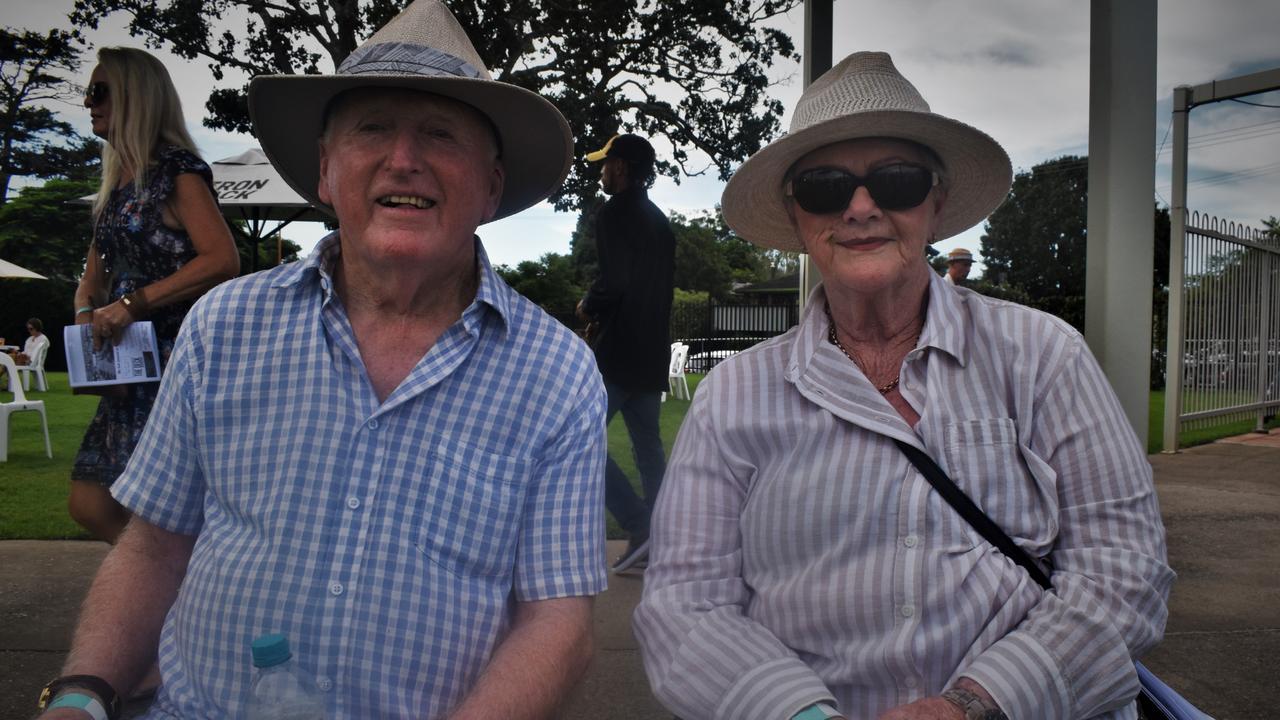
[423,48]
[865,96]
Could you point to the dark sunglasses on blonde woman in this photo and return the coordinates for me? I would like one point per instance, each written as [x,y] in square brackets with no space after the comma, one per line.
[96,92]
[823,191]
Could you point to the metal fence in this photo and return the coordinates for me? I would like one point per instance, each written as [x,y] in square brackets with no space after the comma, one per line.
[1223,364]
[716,331]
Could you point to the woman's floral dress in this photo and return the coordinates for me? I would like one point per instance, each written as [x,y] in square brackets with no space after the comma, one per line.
[137,249]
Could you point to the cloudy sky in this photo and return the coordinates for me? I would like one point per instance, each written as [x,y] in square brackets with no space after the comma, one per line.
[1017,69]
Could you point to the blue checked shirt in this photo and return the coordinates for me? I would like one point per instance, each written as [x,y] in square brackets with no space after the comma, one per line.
[388,541]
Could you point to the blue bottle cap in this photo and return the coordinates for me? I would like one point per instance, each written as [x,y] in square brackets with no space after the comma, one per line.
[270,650]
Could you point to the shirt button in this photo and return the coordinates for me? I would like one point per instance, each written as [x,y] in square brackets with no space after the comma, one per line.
[335,588]
[910,682]
[325,684]
[908,610]
[911,541]
[353,502]
[373,424]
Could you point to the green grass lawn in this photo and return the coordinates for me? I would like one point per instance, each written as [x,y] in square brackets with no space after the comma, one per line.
[33,488]
[1189,438]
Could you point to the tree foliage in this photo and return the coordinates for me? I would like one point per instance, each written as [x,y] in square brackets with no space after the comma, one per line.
[709,261]
[44,230]
[33,141]
[1035,243]
[550,281]
[1036,240]
[693,72]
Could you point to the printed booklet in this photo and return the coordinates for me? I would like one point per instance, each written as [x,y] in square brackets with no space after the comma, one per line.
[136,359]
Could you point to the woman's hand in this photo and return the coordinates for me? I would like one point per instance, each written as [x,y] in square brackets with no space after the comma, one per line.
[109,323]
[933,708]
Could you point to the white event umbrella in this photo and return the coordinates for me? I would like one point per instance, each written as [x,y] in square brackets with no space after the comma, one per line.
[9,270]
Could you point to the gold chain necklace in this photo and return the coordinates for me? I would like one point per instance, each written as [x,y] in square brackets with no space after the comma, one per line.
[834,340]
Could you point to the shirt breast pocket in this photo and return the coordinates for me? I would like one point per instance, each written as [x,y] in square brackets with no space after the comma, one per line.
[985,459]
[470,510]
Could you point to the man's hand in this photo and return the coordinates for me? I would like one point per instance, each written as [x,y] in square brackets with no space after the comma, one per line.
[933,708]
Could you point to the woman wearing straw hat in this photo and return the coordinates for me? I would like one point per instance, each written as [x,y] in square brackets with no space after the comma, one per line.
[802,566]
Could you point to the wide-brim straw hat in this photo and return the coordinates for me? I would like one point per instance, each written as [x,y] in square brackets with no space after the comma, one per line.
[863,97]
[423,48]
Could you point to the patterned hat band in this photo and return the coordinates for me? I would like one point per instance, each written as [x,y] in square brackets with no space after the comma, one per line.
[398,58]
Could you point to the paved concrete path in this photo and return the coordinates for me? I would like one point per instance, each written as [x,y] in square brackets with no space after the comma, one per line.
[1221,505]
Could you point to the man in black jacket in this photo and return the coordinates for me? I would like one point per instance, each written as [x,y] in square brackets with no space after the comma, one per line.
[631,302]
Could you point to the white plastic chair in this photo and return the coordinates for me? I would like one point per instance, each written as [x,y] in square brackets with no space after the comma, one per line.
[36,367]
[676,381]
[20,404]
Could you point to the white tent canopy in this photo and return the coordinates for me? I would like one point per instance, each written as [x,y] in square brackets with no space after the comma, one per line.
[9,270]
[250,189]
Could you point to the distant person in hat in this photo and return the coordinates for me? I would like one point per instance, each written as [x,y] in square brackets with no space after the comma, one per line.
[630,305]
[959,263]
[405,478]
[802,566]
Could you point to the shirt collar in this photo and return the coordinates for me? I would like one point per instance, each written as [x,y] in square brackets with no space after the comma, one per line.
[318,267]
[946,323]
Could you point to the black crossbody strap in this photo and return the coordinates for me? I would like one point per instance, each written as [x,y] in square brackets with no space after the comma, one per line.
[985,526]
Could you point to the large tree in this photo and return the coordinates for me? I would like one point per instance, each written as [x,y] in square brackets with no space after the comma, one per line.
[1036,239]
[33,141]
[694,71]
[1035,242]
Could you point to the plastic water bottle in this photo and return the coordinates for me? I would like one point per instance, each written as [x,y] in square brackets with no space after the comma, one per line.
[281,691]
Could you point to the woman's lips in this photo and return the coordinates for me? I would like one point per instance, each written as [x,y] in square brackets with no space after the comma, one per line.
[862,243]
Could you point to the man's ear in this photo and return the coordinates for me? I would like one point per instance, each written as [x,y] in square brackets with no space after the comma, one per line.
[322,182]
[497,181]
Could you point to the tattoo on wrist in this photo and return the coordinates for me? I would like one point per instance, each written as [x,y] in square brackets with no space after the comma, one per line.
[974,706]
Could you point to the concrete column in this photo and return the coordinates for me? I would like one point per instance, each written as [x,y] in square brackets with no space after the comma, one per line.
[1121,228]
[816,57]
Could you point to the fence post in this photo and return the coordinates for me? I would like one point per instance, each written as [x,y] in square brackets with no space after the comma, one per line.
[1177,255]
[1265,269]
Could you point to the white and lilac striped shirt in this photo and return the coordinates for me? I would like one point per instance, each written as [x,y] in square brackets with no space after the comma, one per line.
[799,557]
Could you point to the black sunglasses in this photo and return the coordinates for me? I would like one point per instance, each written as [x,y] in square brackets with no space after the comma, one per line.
[823,191]
[96,92]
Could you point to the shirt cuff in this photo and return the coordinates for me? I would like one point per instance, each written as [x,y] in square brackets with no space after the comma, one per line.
[777,689]
[1024,678]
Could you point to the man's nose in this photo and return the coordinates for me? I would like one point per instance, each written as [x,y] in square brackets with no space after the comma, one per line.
[407,152]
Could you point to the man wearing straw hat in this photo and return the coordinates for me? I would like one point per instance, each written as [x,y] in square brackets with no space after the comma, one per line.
[406,479]
[959,263]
